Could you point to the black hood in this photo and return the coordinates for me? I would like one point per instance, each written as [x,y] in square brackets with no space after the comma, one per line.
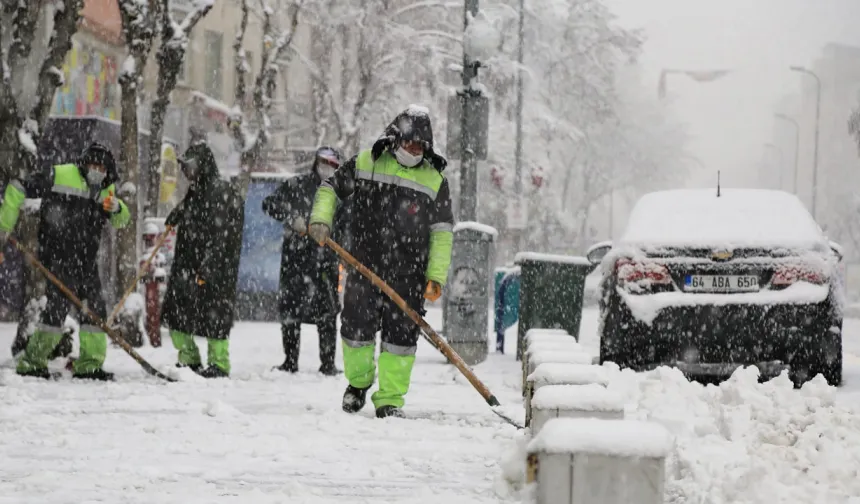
[99,154]
[205,158]
[411,124]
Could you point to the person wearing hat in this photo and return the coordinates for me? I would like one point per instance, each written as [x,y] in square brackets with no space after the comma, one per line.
[309,274]
[201,289]
[77,200]
[401,228]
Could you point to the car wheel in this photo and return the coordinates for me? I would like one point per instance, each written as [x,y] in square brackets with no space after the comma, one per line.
[615,335]
[825,358]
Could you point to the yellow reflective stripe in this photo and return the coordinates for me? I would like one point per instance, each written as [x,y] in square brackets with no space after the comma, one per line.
[387,170]
[68,181]
[357,344]
[399,349]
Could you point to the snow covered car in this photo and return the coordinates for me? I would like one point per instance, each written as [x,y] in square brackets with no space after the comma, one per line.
[709,281]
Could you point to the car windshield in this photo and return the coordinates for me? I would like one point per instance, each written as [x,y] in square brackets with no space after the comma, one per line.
[737,218]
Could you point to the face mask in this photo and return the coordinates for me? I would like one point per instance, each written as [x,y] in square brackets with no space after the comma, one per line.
[95,178]
[406,159]
[326,171]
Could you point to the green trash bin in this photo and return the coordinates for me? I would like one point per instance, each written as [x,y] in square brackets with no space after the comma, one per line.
[551,292]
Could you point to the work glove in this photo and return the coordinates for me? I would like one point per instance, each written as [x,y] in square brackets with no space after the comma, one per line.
[319,232]
[111,204]
[433,291]
[300,225]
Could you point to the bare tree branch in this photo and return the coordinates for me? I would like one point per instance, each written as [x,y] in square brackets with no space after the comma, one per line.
[50,76]
[170,57]
[23,32]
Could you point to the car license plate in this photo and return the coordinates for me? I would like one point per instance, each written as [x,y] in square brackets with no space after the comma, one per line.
[721,283]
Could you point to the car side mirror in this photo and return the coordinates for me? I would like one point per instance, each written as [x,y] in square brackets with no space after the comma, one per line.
[837,249]
[597,252]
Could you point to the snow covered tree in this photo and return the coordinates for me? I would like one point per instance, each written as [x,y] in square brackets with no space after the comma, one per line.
[139,24]
[252,133]
[171,56]
[854,125]
[361,77]
[30,72]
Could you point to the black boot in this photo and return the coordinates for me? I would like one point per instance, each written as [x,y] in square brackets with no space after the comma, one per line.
[354,399]
[98,374]
[41,373]
[389,411]
[291,338]
[197,368]
[329,369]
[327,329]
[214,372]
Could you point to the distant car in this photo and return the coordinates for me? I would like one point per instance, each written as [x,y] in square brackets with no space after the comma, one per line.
[709,282]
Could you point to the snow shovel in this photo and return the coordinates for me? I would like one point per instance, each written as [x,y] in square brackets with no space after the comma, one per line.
[95,318]
[140,274]
[428,331]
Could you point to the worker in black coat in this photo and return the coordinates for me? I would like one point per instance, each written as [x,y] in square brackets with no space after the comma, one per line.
[309,273]
[201,289]
[78,198]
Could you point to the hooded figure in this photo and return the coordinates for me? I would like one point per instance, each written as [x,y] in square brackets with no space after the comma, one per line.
[78,199]
[201,290]
[309,274]
[401,227]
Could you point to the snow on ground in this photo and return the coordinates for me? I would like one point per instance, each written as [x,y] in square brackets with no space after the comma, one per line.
[266,437]
[261,436]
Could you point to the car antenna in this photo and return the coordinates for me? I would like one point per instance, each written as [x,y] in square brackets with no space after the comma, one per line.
[718,183]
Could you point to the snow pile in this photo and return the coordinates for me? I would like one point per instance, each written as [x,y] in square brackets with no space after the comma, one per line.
[748,442]
[739,442]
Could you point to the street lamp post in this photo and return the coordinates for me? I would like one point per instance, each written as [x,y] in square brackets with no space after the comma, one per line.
[817,128]
[796,144]
[779,160]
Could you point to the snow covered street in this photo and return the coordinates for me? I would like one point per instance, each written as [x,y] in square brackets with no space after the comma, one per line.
[266,437]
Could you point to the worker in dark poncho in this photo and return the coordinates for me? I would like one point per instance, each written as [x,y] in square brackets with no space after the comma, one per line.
[309,273]
[201,289]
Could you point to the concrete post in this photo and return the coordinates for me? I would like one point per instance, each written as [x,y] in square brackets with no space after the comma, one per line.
[561,374]
[589,461]
[467,296]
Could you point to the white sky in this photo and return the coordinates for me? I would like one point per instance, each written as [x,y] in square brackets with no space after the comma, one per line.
[732,118]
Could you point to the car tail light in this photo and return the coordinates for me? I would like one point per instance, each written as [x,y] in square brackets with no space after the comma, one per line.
[793,273]
[641,275]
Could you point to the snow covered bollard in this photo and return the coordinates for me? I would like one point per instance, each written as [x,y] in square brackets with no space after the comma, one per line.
[573,401]
[591,461]
[569,355]
[563,344]
[561,374]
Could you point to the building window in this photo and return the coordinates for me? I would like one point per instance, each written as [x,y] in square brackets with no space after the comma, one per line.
[214,77]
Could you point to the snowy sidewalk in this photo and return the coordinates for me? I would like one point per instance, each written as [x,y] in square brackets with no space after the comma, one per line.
[261,436]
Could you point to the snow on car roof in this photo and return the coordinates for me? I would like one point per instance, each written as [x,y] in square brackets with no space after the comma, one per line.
[737,218]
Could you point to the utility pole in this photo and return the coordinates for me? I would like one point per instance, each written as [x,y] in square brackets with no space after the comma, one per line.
[778,159]
[468,137]
[518,172]
[817,129]
[786,118]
